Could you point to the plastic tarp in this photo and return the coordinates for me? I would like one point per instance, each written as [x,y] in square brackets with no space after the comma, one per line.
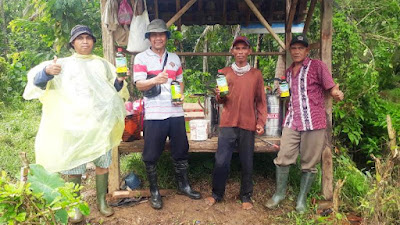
[83,115]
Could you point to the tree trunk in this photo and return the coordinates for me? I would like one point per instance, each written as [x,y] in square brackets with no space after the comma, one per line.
[205,59]
[258,47]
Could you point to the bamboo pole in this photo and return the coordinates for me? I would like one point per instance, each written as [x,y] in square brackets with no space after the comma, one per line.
[265,23]
[180,13]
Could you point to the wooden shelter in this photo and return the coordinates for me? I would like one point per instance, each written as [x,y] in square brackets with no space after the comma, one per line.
[233,12]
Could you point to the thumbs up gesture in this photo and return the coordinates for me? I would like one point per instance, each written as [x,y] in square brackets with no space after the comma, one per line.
[162,77]
[53,68]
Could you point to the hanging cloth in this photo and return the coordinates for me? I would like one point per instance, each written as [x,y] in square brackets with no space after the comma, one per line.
[110,15]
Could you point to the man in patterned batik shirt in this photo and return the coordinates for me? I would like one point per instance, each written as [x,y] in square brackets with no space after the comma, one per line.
[305,122]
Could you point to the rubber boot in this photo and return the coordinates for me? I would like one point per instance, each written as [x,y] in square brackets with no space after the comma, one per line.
[182,180]
[282,174]
[101,191]
[76,179]
[307,180]
[155,199]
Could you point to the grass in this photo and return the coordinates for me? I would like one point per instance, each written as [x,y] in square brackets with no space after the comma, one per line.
[19,123]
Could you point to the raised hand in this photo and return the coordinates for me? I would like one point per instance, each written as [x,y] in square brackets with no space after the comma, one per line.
[53,68]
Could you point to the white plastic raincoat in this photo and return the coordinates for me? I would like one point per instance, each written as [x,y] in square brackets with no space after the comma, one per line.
[83,115]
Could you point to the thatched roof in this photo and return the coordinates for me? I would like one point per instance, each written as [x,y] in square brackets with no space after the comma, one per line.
[224,12]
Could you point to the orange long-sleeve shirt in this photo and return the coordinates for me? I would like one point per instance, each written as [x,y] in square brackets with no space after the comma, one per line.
[245,106]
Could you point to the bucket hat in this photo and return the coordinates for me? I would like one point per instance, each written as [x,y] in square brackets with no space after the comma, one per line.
[302,39]
[78,30]
[157,26]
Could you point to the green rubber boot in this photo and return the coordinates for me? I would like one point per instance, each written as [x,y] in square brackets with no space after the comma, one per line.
[282,174]
[307,180]
[101,191]
[76,179]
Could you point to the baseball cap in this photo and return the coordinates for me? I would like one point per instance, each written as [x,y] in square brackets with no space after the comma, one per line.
[78,30]
[241,39]
[157,26]
[302,39]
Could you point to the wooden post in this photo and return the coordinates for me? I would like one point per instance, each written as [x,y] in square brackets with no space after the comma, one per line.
[326,57]
[264,22]
[155,9]
[180,13]
[114,171]
[309,16]
[290,18]
[107,37]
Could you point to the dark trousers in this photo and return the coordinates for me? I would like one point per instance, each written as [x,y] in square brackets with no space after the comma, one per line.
[155,135]
[229,139]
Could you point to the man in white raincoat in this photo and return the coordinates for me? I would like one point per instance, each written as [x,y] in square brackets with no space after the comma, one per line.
[83,114]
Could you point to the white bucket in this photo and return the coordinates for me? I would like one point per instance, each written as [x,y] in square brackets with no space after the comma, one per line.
[199,130]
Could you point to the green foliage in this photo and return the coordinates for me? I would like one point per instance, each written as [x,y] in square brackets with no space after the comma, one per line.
[381,205]
[356,183]
[197,82]
[360,66]
[45,198]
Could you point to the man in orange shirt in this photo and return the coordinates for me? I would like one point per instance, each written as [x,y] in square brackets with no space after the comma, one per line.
[243,115]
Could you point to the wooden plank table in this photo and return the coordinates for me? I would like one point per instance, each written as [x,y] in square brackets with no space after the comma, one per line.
[209,145]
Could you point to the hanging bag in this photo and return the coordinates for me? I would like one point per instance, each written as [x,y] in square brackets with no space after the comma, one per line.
[137,41]
[125,13]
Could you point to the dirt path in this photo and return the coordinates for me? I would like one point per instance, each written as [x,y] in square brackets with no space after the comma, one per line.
[179,209]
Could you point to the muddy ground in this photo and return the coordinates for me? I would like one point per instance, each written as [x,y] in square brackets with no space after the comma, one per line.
[179,209]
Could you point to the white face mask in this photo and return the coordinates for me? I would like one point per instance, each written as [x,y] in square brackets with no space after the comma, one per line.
[240,71]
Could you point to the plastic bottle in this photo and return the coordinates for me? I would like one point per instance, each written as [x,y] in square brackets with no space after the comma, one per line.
[121,63]
[222,85]
[284,87]
[176,91]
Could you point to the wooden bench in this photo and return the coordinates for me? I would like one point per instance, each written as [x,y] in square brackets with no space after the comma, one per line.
[209,145]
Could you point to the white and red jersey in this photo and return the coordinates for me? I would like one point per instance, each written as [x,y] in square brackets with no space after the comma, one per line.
[148,62]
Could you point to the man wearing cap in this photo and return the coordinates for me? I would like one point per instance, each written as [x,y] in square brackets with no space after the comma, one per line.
[305,122]
[83,114]
[154,70]
[244,114]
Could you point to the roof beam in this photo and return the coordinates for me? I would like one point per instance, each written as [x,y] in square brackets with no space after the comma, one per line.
[264,22]
[309,16]
[180,13]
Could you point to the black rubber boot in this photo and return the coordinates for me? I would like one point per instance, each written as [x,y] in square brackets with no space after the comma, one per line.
[101,191]
[307,180]
[155,199]
[282,174]
[78,217]
[182,180]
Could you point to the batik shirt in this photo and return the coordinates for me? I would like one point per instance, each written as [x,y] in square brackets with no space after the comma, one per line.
[306,110]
